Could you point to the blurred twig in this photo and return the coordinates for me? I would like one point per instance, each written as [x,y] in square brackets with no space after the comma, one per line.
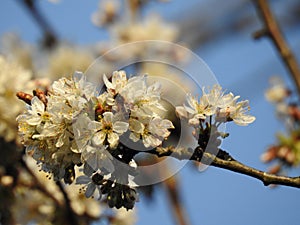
[50,38]
[37,183]
[71,216]
[172,190]
[272,30]
[173,193]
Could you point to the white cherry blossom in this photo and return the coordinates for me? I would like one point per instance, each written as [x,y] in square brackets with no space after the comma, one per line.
[237,113]
[108,128]
[118,81]
[152,131]
[223,106]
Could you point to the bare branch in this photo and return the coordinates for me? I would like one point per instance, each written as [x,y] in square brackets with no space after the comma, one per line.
[225,161]
[272,30]
[265,177]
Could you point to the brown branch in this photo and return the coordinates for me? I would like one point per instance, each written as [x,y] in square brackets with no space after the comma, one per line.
[225,161]
[272,30]
[265,177]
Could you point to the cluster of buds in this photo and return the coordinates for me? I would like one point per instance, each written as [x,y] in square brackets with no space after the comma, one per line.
[286,153]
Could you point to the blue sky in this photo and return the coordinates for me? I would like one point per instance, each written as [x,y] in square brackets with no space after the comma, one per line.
[242,66]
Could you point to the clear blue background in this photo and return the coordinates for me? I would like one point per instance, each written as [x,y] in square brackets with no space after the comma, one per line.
[241,65]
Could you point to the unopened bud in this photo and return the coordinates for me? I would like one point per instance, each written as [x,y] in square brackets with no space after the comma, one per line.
[41,95]
[269,155]
[275,169]
[290,157]
[25,97]
[283,151]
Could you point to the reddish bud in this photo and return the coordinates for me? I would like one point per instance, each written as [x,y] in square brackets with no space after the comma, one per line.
[290,157]
[99,110]
[275,169]
[41,95]
[269,155]
[294,112]
[25,97]
[283,151]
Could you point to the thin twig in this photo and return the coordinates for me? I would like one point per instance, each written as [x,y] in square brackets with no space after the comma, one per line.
[225,161]
[272,30]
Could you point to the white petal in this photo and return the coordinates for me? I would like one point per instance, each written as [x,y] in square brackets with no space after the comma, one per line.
[99,193]
[113,139]
[135,137]
[108,116]
[83,179]
[107,163]
[167,124]
[94,125]
[61,140]
[150,140]
[120,127]
[90,190]
[91,160]
[180,110]
[136,126]
[133,164]
[37,105]
[87,170]
[190,110]
[194,121]
[34,120]
[200,116]
[245,120]
[107,83]
[99,138]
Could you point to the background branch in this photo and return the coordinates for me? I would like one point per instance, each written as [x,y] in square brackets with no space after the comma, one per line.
[38,184]
[171,186]
[272,30]
[50,38]
[70,214]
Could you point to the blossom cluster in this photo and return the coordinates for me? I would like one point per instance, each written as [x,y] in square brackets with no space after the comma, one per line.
[209,112]
[97,128]
[74,123]
[224,107]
